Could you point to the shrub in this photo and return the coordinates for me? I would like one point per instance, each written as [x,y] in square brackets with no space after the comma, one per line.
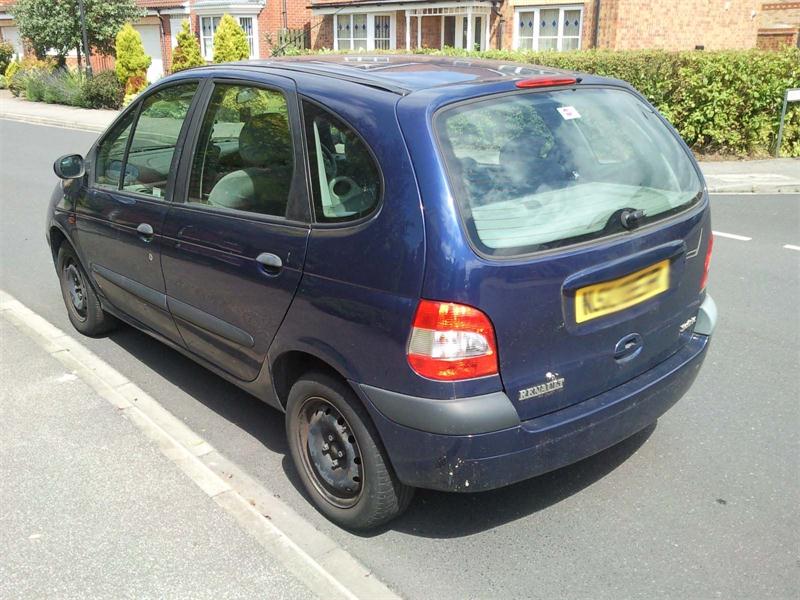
[103,91]
[64,86]
[3,84]
[34,85]
[11,70]
[131,61]
[6,55]
[28,73]
[230,42]
[187,53]
[725,102]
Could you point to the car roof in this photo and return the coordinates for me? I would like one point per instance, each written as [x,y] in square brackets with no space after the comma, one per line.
[405,74]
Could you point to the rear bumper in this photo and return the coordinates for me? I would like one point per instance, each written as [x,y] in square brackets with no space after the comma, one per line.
[483,461]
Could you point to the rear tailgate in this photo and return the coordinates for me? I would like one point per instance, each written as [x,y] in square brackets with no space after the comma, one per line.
[590,223]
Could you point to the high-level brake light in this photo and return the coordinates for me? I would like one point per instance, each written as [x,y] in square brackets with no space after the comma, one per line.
[545,82]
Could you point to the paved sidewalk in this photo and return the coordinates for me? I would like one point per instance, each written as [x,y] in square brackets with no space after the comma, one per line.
[768,176]
[90,508]
[729,176]
[17,109]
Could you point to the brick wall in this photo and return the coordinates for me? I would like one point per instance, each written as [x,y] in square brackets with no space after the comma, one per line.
[684,24]
[271,21]
[779,24]
[666,24]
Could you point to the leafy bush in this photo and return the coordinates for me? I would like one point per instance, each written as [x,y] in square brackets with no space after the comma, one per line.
[187,53]
[230,42]
[6,55]
[3,84]
[131,62]
[64,86]
[28,73]
[725,102]
[103,91]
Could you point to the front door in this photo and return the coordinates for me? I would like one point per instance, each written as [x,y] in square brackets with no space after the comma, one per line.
[234,249]
[120,216]
[460,31]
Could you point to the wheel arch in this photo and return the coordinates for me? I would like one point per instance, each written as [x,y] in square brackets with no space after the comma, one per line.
[291,365]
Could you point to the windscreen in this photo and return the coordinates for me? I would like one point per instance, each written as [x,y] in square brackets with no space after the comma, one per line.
[539,170]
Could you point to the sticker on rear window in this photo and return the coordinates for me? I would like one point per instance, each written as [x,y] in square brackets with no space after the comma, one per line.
[568,112]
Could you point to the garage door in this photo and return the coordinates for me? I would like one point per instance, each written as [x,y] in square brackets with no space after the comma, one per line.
[11,35]
[151,39]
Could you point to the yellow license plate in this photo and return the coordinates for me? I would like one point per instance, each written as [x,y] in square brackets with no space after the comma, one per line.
[612,296]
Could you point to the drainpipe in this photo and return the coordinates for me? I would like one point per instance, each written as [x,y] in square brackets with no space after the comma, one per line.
[285,13]
[162,41]
[596,34]
[501,24]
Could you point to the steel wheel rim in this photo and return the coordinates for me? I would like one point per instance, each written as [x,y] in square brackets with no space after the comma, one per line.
[330,453]
[76,288]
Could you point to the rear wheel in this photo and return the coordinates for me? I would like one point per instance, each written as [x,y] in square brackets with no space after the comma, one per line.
[339,456]
[83,306]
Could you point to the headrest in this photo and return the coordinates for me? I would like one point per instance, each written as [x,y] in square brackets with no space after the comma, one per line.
[265,141]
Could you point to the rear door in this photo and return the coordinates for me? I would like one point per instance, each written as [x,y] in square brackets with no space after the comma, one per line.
[234,249]
[121,215]
[584,213]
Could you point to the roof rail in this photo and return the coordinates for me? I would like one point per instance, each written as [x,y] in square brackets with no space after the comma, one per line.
[300,67]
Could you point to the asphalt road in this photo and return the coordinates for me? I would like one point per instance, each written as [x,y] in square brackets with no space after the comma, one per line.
[701,505]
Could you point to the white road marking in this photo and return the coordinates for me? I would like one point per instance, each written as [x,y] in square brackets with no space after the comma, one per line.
[791,247]
[326,568]
[732,236]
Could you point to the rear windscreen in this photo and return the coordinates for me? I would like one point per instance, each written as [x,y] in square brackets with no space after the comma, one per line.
[539,170]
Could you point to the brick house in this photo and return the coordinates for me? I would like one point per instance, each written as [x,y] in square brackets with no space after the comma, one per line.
[482,24]
[261,20]
[537,24]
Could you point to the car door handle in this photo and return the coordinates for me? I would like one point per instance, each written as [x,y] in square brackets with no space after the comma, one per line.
[145,231]
[272,263]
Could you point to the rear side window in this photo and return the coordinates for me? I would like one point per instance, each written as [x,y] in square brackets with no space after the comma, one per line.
[533,171]
[344,176]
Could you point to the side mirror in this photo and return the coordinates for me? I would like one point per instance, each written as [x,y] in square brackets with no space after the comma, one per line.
[69,166]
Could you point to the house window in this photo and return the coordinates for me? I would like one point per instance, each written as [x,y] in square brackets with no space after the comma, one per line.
[351,32]
[548,28]
[383,32]
[208,26]
[363,31]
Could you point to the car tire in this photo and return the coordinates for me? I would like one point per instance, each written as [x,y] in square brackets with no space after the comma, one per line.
[339,456]
[83,305]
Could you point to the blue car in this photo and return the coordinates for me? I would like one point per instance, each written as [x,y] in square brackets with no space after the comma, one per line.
[448,274]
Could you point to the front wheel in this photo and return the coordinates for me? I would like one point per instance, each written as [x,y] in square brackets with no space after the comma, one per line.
[83,306]
[339,456]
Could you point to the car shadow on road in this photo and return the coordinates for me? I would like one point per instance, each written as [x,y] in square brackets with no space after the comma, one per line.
[431,514]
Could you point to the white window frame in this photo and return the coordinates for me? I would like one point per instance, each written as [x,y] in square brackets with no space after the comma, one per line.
[347,16]
[536,24]
[371,37]
[460,33]
[207,44]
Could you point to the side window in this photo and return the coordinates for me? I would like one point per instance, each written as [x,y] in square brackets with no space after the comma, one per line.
[154,138]
[346,181]
[111,153]
[244,158]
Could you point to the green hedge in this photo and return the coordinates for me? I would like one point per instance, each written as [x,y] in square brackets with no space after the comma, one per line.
[725,102]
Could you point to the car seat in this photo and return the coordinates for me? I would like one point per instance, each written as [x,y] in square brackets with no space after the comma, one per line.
[262,186]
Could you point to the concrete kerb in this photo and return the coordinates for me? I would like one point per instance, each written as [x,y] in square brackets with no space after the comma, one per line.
[306,552]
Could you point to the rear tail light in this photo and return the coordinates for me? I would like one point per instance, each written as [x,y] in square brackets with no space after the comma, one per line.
[704,280]
[451,341]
